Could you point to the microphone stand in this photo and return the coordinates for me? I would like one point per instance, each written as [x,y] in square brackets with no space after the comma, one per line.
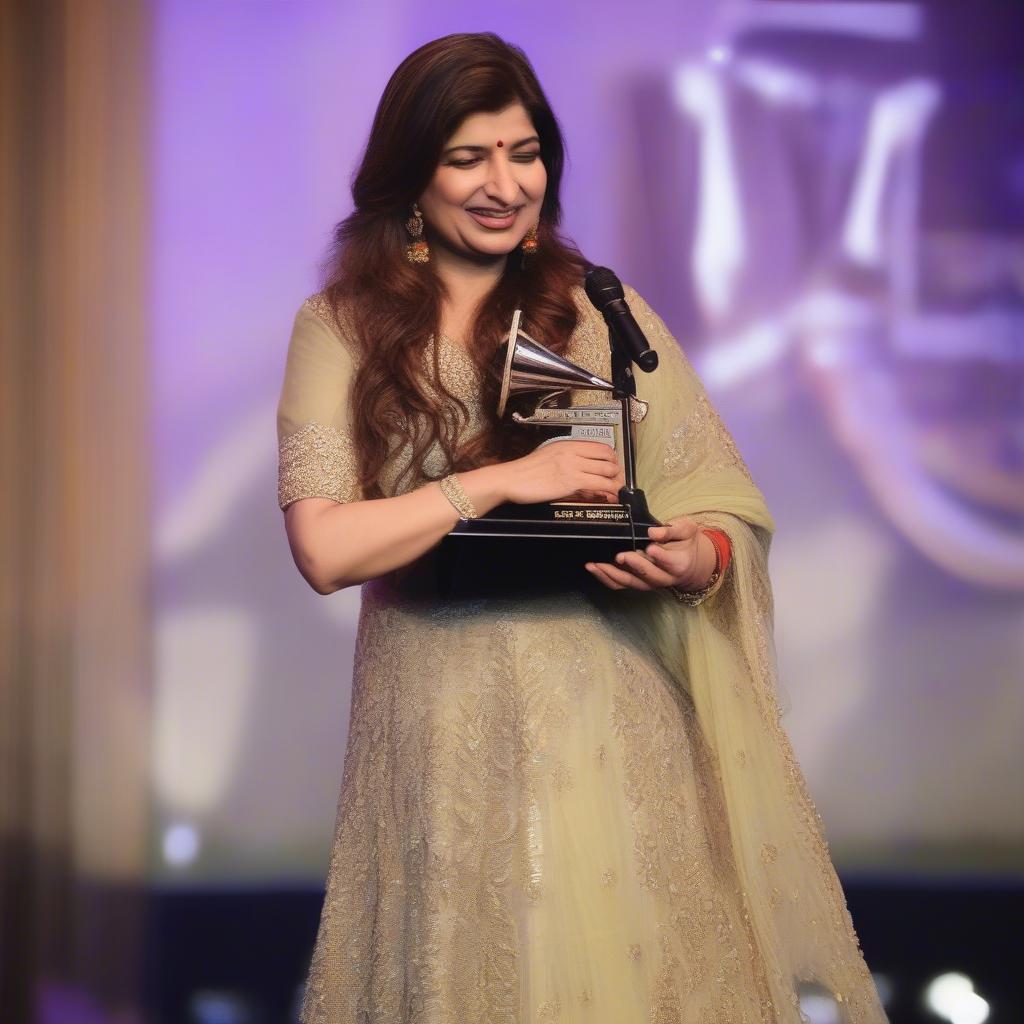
[631,496]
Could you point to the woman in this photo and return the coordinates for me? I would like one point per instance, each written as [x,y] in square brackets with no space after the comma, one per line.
[577,805]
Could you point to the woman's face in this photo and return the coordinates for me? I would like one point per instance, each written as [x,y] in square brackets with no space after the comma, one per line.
[488,188]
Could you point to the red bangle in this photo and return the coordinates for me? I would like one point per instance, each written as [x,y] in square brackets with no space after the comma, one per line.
[723,548]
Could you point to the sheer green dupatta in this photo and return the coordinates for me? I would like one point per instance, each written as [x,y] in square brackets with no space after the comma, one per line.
[721,652]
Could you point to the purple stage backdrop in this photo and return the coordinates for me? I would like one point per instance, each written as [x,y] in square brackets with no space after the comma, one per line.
[809,198]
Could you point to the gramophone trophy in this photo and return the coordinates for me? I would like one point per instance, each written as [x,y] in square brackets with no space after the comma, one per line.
[568,532]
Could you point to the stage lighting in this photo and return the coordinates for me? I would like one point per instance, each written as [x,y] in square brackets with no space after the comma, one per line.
[952,997]
[181,844]
[213,1007]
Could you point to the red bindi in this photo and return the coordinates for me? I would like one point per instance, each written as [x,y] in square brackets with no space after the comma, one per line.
[500,143]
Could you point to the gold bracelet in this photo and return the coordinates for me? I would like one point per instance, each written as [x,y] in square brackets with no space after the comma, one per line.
[695,597]
[451,488]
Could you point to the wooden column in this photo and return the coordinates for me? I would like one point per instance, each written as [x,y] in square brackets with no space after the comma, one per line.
[74,616]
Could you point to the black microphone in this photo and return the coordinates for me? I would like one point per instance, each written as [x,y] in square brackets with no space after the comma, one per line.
[605,292]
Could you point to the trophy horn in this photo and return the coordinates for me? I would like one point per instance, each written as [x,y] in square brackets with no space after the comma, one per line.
[530,367]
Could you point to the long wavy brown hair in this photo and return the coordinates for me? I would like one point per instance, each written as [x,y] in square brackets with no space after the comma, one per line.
[392,307]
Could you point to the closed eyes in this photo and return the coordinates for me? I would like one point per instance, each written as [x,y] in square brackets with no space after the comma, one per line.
[519,158]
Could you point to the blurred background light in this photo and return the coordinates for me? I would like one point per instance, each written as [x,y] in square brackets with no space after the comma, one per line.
[221,1007]
[181,844]
[951,997]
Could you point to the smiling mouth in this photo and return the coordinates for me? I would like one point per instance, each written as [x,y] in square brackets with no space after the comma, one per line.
[489,213]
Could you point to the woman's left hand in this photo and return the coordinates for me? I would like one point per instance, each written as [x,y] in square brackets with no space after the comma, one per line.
[681,556]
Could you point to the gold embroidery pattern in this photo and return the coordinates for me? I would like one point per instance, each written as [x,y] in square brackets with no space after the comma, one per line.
[458,371]
[681,850]
[323,309]
[456,762]
[420,874]
[316,461]
[561,777]
[695,437]
[849,964]
[549,1009]
[700,440]
[846,968]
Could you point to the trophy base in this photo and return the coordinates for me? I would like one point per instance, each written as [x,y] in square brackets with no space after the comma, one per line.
[537,548]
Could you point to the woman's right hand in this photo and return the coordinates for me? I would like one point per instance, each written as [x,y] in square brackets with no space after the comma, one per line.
[560,469]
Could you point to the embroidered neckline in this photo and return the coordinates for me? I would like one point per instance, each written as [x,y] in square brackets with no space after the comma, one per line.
[447,341]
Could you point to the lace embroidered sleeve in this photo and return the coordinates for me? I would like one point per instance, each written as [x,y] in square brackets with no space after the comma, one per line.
[316,454]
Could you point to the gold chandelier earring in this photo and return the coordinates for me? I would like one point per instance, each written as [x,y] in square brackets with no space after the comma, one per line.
[529,242]
[417,250]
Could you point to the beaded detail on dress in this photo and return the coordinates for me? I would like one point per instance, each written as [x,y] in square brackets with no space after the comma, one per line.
[317,462]
[534,820]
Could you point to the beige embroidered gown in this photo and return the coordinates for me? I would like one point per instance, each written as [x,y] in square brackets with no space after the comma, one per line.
[577,806]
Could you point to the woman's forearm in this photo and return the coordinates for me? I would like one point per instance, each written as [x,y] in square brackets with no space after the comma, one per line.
[341,545]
